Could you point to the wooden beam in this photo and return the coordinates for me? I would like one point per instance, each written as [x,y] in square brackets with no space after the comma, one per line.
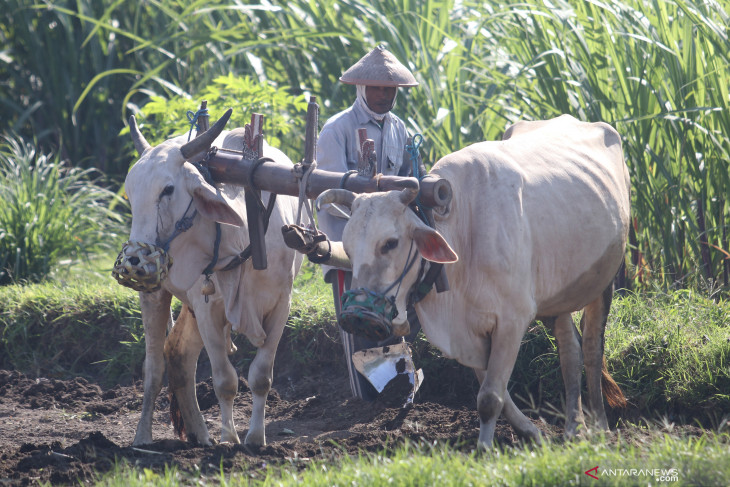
[229,166]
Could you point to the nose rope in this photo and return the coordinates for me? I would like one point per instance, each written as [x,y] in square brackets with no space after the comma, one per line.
[182,225]
[407,267]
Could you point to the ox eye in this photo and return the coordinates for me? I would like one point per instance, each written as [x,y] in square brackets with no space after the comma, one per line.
[389,245]
[167,191]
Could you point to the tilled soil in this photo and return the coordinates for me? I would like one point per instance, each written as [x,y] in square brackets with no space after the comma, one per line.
[64,431]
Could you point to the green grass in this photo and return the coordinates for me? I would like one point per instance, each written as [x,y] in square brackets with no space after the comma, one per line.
[88,329]
[671,352]
[700,461]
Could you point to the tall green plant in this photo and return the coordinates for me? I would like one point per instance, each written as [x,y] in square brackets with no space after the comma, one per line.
[657,70]
[49,212]
[284,113]
[48,58]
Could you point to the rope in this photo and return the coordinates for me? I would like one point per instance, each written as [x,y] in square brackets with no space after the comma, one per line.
[303,200]
[412,149]
[182,225]
[193,119]
[407,267]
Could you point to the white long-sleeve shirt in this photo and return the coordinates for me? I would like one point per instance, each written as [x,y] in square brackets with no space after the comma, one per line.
[337,151]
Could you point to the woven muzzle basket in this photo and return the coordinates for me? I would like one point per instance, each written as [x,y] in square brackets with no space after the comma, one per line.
[367,314]
[142,266]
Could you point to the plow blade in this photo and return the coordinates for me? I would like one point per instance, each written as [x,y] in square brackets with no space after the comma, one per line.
[383,364]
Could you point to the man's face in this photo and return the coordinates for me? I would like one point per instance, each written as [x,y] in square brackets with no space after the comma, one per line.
[380,98]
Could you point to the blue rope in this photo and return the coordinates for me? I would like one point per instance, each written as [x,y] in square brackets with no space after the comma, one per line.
[412,149]
[193,119]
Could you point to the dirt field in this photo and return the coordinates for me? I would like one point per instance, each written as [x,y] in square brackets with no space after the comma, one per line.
[65,430]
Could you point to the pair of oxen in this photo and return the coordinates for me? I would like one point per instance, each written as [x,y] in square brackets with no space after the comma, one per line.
[536,229]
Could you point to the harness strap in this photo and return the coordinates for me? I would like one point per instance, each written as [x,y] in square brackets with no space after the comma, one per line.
[406,268]
[182,225]
[345,177]
[250,185]
[239,259]
[246,253]
[424,286]
[216,246]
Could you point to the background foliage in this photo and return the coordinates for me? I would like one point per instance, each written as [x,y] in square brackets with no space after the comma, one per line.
[49,212]
[71,72]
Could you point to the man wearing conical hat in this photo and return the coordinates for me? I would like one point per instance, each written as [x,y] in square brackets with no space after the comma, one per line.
[377,77]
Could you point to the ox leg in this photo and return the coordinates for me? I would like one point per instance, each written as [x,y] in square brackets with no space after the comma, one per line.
[571,367]
[156,318]
[182,350]
[261,375]
[215,332]
[521,423]
[493,390]
[600,382]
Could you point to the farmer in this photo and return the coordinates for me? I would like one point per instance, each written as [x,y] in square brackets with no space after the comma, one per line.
[376,77]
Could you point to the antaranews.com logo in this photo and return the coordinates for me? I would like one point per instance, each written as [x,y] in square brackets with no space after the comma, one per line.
[658,474]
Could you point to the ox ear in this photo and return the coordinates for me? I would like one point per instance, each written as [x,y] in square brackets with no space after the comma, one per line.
[208,201]
[433,246]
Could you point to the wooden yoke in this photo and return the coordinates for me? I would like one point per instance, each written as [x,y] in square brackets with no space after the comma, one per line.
[249,169]
[227,166]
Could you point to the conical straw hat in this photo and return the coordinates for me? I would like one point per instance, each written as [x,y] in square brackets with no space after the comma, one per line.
[379,68]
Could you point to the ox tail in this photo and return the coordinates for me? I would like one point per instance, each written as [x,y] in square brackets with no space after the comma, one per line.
[614,396]
[176,416]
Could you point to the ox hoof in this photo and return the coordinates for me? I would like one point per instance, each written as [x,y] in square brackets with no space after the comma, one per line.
[141,439]
[531,435]
[229,435]
[253,439]
[576,430]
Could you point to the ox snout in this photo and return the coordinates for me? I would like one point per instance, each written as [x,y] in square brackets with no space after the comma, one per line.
[142,266]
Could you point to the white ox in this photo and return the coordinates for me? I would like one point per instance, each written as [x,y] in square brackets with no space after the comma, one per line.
[539,222]
[163,188]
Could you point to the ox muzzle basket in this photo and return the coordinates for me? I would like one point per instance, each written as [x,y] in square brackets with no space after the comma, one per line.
[367,314]
[142,266]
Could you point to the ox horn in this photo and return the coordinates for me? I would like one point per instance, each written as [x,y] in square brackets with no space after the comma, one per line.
[407,195]
[339,196]
[140,143]
[203,142]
